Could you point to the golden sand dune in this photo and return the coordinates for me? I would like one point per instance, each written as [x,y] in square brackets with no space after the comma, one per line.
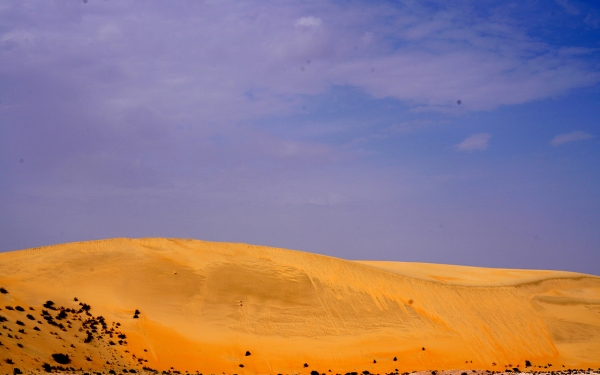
[215,307]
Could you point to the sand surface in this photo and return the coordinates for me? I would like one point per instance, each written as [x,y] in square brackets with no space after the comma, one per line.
[202,306]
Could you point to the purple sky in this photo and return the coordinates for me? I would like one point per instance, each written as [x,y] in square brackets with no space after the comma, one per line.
[463,134]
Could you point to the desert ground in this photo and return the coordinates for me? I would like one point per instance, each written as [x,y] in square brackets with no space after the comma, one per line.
[189,306]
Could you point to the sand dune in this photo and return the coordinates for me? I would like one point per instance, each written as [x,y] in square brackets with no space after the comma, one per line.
[203,306]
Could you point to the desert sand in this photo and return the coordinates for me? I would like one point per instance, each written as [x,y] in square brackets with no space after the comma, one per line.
[230,308]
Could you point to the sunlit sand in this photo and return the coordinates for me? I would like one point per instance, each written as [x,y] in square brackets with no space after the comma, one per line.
[240,309]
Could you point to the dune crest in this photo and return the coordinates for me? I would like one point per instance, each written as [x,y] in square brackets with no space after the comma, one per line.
[202,306]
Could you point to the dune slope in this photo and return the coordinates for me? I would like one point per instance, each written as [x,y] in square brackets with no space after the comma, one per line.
[215,307]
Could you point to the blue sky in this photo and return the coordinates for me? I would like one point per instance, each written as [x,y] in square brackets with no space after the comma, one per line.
[463,132]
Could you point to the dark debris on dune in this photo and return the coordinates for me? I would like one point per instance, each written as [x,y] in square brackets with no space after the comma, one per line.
[97,330]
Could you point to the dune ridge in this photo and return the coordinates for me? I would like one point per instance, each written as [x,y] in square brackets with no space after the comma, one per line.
[203,305]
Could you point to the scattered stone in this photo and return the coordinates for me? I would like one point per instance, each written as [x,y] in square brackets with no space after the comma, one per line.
[63,359]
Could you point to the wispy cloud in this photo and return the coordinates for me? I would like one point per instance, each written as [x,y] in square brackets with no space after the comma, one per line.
[575,136]
[568,7]
[308,21]
[476,142]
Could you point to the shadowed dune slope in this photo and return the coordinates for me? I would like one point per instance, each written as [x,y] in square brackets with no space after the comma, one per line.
[203,305]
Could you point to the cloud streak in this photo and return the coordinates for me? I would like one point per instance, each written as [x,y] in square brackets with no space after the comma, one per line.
[575,136]
[476,142]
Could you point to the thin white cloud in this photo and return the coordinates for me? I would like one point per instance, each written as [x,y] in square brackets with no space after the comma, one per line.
[561,139]
[476,142]
[568,7]
[592,20]
[309,21]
